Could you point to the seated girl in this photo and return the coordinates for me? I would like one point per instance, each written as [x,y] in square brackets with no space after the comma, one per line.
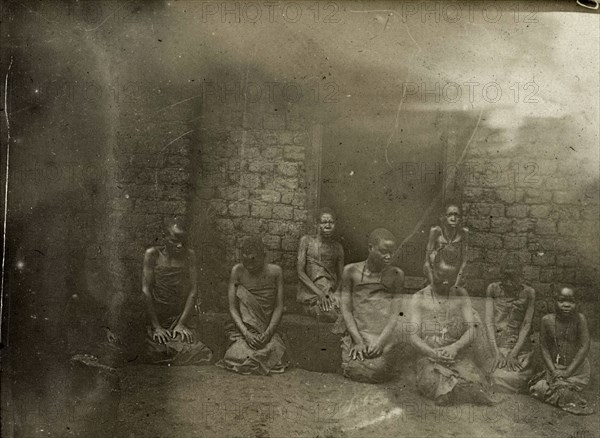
[256,304]
[447,246]
[320,264]
[565,342]
[508,313]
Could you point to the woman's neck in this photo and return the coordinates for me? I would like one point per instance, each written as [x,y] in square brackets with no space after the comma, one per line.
[450,232]
[371,268]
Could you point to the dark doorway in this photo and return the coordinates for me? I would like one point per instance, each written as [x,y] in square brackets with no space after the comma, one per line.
[400,190]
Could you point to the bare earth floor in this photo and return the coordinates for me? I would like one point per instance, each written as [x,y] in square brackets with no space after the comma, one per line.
[207,401]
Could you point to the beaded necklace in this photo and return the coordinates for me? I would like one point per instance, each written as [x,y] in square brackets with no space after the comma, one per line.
[559,346]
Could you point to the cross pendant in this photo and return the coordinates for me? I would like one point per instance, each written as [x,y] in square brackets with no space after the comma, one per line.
[557,358]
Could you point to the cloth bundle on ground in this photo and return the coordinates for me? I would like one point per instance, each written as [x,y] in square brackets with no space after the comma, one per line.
[563,392]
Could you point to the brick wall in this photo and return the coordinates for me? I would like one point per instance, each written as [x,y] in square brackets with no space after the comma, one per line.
[250,176]
[149,181]
[531,196]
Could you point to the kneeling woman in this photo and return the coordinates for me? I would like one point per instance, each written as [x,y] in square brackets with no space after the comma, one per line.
[508,314]
[256,305]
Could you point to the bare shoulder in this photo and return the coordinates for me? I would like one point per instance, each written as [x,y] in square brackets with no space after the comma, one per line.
[435,230]
[529,291]
[191,255]
[352,268]
[237,270]
[461,292]
[581,318]
[274,270]
[151,254]
[419,296]
[492,289]
[397,273]
[305,239]
[547,319]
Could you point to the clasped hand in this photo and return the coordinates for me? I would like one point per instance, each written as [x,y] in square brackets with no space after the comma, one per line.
[257,341]
[559,374]
[366,351]
[328,302]
[445,354]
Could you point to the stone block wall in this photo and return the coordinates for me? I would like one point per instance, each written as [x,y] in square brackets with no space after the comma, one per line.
[250,177]
[537,202]
[149,183]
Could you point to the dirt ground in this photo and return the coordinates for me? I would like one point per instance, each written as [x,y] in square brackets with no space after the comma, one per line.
[207,401]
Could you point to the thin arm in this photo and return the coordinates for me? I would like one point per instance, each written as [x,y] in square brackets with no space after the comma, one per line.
[233,300]
[278,311]
[301,267]
[584,338]
[464,257]
[415,323]
[526,325]
[339,268]
[545,342]
[193,293]
[347,306]
[490,325]
[147,278]
[469,322]
[430,248]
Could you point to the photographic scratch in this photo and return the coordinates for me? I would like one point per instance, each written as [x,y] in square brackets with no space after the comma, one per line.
[244,131]
[175,139]
[8,138]
[397,120]
[426,213]
[411,37]
[181,101]
[107,17]
[384,416]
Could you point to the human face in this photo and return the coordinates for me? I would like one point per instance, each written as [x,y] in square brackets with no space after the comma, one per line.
[253,260]
[381,254]
[511,277]
[565,302]
[326,225]
[442,279]
[175,241]
[452,216]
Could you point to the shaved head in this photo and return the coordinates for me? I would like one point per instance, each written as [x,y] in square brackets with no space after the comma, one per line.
[379,235]
[174,224]
[254,245]
[325,210]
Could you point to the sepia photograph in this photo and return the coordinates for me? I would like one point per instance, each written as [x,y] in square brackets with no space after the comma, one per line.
[306,219]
